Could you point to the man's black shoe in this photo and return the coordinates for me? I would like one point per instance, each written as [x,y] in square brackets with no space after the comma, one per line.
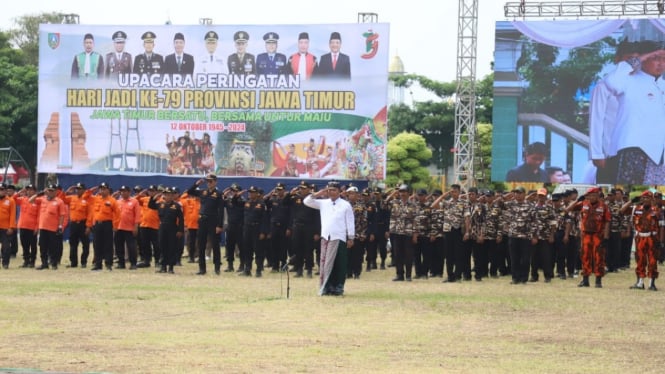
[201,272]
[42,267]
[143,265]
[653,288]
[398,279]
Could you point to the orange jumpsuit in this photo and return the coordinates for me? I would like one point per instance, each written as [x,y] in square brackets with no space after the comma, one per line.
[645,221]
[593,219]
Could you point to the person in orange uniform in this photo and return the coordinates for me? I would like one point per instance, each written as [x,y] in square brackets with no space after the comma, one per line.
[191,206]
[28,224]
[60,194]
[648,236]
[104,212]
[595,226]
[127,228]
[7,224]
[79,202]
[148,239]
[52,213]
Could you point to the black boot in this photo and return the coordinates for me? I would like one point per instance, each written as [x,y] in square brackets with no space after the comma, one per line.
[171,269]
[639,285]
[229,268]
[652,286]
[599,282]
[584,282]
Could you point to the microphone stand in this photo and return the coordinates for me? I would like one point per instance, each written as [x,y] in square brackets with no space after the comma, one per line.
[285,268]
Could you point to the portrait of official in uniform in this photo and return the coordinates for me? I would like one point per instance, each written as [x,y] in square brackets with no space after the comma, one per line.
[148,62]
[241,62]
[179,62]
[88,64]
[210,62]
[271,62]
[118,61]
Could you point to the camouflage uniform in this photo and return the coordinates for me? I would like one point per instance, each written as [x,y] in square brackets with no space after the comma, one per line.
[573,263]
[478,212]
[541,256]
[517,219]
[356,253]
[496,248]
[402,217]
[613,250]
[455,213]
[423,249]
[627,234]
[560,247]
[436,232]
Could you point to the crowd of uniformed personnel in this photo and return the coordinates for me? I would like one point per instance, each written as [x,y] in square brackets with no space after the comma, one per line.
[455,235]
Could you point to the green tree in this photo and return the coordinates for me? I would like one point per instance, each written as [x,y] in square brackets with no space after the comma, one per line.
[553,87]
[407,153]
[18,101]
[25,34]
[435,120]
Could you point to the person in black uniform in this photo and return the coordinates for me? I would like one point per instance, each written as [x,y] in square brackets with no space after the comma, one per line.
[304,231]
[371,245]
[271,62]
[252,233]
[241,62]
[148,62]
[278,202]
[382,232]
[211,220]
[235,212]
[179,62]
[171,227]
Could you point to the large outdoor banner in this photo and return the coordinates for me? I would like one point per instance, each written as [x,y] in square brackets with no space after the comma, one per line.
[301,101]
[579,101]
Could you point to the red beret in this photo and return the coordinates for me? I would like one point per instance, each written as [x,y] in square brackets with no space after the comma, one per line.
[594,190]
[647,193]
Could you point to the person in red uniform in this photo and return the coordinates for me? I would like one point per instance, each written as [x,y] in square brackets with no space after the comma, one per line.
[7,224]
[28,224]
[102,215]
[595,226]
[52,212]
[648,236]
[79,202]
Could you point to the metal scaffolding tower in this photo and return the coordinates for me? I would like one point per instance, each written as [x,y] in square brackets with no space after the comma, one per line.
[613,8]
[465,106]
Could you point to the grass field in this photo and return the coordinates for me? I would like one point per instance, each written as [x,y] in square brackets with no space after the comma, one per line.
[74,320]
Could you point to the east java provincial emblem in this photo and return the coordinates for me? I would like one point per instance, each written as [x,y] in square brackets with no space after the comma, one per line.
[54,40]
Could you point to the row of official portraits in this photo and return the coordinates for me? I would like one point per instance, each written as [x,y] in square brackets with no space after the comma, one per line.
[90,64]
